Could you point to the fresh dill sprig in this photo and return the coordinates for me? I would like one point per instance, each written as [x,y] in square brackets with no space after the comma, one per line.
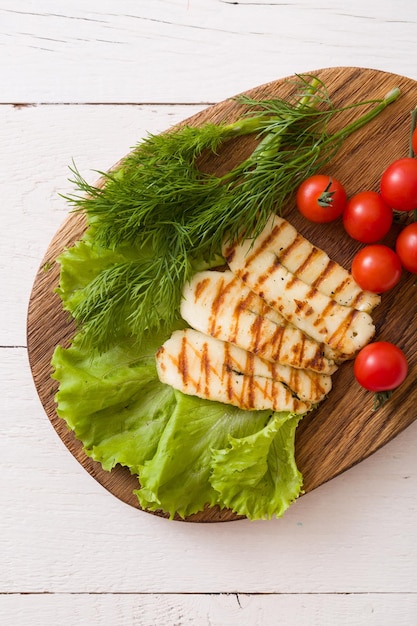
[113,297]
[159,198]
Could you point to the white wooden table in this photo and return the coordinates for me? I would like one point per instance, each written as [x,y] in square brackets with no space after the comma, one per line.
[85,80]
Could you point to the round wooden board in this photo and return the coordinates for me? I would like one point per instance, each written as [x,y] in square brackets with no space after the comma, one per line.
[344,430]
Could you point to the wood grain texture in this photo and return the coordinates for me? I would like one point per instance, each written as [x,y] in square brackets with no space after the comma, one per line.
[344,430]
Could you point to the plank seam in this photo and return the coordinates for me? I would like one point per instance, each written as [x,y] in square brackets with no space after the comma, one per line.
[207,593]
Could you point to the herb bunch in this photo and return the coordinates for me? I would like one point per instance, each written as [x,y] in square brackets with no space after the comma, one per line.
[160,201]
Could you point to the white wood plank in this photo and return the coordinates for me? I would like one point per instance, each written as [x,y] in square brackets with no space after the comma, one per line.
[38,146]
[190,50]
[61,532]
[209,610]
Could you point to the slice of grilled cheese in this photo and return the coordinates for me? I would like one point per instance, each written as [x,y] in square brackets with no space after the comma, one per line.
[279,241]
[199,365]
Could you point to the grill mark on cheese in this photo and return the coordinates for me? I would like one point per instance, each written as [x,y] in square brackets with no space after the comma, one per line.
[256,334]
[205,369]
[336,339]
[217,302]
[325,273]
[277,340]
[238,312]
[260,247]
[330,309]
[309,260]
[183,361]
[200,287]
[291,282]
[298,350]
[302,306]
[249,381]
[357,301]
[284,252]
[229,372]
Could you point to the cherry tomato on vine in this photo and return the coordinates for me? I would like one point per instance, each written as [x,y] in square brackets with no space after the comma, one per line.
[367,218]
[380,366]
[406,247]
[399,184]
[321,198]
[376,268]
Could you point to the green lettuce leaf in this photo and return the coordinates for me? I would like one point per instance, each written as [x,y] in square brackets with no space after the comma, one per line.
[80,264]
[177,478]
[256,475]
[114,403]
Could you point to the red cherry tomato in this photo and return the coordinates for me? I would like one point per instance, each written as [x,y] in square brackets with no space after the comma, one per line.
[376,268]
[321,198]
[399,184]
[367,218]
[406,247]
[380,366]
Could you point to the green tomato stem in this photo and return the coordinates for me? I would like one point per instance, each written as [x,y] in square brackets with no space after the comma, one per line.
[380,398]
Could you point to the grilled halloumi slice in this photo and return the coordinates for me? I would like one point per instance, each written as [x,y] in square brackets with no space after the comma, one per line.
[221,305]
[202,366]
[342,328]
[280,241]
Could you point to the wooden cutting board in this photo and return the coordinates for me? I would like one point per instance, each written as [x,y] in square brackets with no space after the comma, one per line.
[344,430]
